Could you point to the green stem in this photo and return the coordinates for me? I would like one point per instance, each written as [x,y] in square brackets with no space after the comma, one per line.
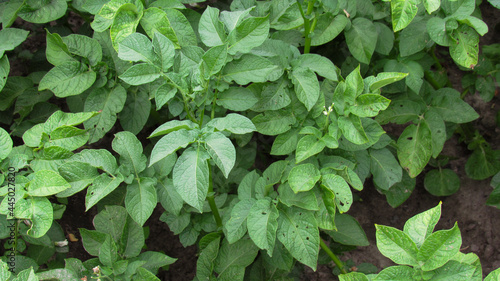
[211,200]
[334,258]
[431,80]
[307,22]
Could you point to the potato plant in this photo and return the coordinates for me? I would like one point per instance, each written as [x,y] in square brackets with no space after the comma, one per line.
[227,119]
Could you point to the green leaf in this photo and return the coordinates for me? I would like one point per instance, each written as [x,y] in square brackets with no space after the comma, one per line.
[454,270]
[285,143]
[353,276]
[386,78]
[273,96]
[438,131]
[182,28]
[401,111]
[238,255]
[349,231]
[156,20]
[479,25]
[4,71]
[165,49]
[5,144]
[441,182]
[211,29]
[465,46]
[369,105]
[306,86]
[495,274]
[141,73]
[273,122]
[190,176]
[248,34]
[101,186]
[11,38]
[221,150]
[4,271]
[39,211]
[125,21]
[108,252]
[47,183]
[99,158]
[67,137]
[385,41]
[109,103]
[92,240]
[403,12]
[206,260]
[439,248]
[42,11]
[213,61]
[298,232]
[415,148]
[155,260]
[308,146]
[398,272]
[141,199]
[342,191]
[130,149]
[79,175]
[137,47]
[274,172]
[436,27]
[111,221]
[447,103]
[234,123]
[173,125]
[361,39]
[401,191]
[431,5]
[414,37]
[483,163]
[249,68]
[385,168]
[236,226]
[328,28]
[421,226]
[262,224]
[352,129]
[237,99]
[10,10]
[168,196]
[319,64]
[396,245]
[68,79]
[303,177]
[306,200]
[136,112]
[84,46]
[171,143]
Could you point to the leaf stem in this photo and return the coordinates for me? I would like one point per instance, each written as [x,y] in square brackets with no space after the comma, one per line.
[211,200]
[307,24]
[334,258]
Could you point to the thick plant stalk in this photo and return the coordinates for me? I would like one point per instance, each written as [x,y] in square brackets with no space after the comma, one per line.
[334,258]
[211,201]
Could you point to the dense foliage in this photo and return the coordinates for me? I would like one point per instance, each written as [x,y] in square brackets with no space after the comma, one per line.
[250,142]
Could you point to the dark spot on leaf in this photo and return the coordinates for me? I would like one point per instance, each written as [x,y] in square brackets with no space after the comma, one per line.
[300,214]
[264,213]
[410,138]
[307,238]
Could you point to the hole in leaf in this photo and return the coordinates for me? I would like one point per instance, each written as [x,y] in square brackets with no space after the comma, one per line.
[307,238]
[264,213]
[410,138]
